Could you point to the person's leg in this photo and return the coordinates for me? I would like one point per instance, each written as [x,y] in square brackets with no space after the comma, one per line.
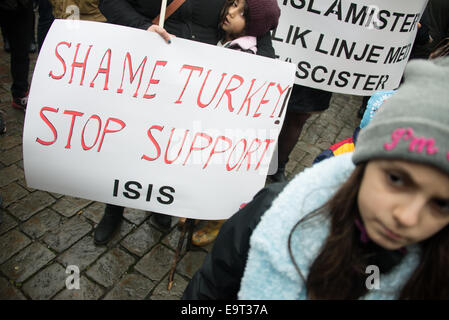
[162,220]
[19,37]
[6,46]
[109,224]
[112,218]
[33,44]
[288,137]
[45,20]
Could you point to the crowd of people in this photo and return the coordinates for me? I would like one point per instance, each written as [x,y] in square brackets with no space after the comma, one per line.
[382,200]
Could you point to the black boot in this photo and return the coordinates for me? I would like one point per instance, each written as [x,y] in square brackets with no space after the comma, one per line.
[109,224]
[163,221]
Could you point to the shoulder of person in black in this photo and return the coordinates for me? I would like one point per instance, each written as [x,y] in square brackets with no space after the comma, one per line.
[222,270]
[195,19]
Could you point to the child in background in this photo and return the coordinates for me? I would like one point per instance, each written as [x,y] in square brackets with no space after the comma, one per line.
[373,224]
[241,22]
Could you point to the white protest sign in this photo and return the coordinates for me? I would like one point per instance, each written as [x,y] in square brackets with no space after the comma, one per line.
[351,47]
[117,115]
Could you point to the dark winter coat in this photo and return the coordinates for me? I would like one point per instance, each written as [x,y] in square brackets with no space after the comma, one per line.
[438,15]
[195,19]
[13,5]
[220,275]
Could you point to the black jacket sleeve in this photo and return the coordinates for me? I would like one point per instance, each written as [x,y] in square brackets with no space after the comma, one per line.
[123,13]
[219,276]
[265,46]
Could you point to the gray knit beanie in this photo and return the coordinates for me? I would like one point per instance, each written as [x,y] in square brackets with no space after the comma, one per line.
[413,124]
[263,15]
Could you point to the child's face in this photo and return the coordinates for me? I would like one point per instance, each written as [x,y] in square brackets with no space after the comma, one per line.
[234,22]
[402,203]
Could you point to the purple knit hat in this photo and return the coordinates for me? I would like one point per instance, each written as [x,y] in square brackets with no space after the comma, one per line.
[263,15]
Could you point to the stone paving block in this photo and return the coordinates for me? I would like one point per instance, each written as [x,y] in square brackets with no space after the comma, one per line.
[131,287]
[46,283]
[340,99]
[332,128]
[310,136]
[14,123]
[94,212]
[7,224]
[190,263]
[27,262]
[110,267]
[22,182]
[9,292]
[135,216]
[11,156]
[30,205]
[4,82]
[20,164]
[11,243]
[156,263]
[308,148]
[297,154]
[56,195]
[299,168]
[141,240]
[7,142]
[328,135]
[88,291]
[41,223]
[323,121]
[161,291]
[329,117]
[82,254]
[290,166]
[69,232]
[11,193]
[324,144]
[347,116]
[172,239]
[10,174]
[68,206]
[345,133]
[307,161]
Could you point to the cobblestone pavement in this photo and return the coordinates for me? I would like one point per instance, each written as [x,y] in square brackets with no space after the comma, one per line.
[42,233]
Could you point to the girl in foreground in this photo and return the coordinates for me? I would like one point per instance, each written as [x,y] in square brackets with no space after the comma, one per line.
[372,224]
